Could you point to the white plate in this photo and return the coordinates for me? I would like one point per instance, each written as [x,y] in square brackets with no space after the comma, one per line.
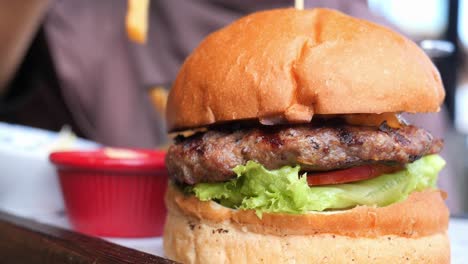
[28,182]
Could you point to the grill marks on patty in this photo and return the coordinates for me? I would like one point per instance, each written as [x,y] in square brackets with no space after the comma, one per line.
[211,156]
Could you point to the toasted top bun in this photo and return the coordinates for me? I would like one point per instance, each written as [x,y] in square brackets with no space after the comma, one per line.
[284,65]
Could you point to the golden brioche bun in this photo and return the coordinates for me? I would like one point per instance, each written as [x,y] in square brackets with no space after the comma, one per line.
[284,65]
[412,231]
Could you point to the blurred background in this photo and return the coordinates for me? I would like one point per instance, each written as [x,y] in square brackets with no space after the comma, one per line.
[446,22]
[70,62]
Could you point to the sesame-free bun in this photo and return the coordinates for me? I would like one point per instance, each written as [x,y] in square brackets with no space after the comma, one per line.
[412,231]
[284,65]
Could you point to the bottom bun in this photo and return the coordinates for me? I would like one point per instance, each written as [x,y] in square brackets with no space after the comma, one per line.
[192,239]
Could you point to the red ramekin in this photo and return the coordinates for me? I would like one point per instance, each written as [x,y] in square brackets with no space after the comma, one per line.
[113,196]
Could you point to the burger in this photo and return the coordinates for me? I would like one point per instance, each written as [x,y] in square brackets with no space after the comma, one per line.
[290,146]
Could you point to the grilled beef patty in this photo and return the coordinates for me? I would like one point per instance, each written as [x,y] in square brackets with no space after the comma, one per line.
[211,156]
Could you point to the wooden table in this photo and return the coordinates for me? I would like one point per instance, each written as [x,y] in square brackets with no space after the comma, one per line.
[27,241]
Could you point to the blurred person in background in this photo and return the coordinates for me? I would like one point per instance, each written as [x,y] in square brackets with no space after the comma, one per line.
[71,62]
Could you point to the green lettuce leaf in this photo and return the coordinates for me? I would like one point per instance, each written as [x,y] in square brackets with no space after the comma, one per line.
[285,191]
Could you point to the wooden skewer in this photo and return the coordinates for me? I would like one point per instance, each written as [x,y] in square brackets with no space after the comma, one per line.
[299,4]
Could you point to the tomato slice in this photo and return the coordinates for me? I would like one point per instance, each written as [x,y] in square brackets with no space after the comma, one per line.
[349,175]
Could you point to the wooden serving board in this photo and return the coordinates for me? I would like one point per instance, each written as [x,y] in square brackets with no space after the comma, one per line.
[27,241]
